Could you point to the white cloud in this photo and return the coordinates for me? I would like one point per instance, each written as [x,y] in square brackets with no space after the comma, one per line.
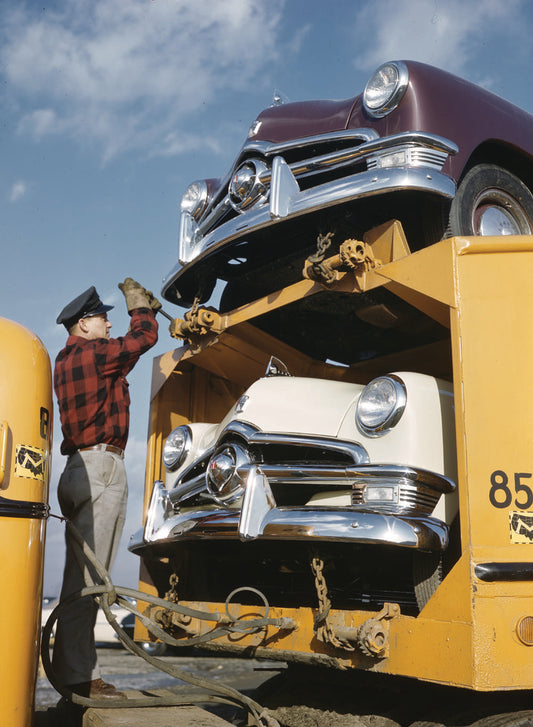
[18,190]
[444,33]
[40,123]
[127,73]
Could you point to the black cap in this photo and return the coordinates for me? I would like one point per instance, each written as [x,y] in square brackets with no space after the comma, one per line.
[85,305]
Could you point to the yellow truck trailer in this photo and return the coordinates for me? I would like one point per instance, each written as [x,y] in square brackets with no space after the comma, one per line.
[25,448]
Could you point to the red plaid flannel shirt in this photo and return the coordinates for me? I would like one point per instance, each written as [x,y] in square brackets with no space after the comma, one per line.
[91,387]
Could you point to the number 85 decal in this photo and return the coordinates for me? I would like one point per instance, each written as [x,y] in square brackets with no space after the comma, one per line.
[501,495]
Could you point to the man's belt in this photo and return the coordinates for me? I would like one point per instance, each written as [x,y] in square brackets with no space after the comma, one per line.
[103,448]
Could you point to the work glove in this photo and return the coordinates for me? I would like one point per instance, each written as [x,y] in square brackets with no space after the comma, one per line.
[155,304]
[136,296]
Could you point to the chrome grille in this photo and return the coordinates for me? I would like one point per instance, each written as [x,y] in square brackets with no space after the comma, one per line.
[428,157]
[417,498]
[287,460]
[305,156]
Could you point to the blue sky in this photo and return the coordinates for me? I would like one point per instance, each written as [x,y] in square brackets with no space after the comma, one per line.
[110,108]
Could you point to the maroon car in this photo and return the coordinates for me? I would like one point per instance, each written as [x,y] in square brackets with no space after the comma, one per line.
[440,154]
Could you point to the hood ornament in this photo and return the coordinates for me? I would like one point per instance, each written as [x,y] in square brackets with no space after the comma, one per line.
[279,98]
[276,368]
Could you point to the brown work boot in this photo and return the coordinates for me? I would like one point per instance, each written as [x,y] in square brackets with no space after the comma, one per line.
[97,689]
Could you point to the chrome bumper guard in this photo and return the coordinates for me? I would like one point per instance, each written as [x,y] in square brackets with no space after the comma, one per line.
[259,517]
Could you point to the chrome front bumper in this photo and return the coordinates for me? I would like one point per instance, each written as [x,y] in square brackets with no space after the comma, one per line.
[259,517]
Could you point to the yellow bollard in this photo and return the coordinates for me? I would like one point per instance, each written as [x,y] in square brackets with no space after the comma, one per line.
[25,442]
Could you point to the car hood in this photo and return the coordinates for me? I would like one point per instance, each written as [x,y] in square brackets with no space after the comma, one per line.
[304,118]
[294,404]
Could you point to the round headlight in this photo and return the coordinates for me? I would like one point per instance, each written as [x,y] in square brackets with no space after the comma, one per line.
[177,447]
[381,404]
[195,199]
[385,88]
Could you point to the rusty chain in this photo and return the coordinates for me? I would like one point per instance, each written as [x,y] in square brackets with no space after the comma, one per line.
[322,626]
[172,593]
[321,270]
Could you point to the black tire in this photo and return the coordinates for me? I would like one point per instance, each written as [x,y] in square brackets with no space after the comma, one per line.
[491,201]
[427,576]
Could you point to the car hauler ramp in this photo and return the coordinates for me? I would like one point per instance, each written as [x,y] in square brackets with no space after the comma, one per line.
[187,716]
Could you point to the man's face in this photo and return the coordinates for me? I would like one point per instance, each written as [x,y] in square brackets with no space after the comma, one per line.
[97,326]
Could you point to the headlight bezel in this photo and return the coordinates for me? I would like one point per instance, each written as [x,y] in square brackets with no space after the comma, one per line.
[388,99]
[390,416]
[173,461]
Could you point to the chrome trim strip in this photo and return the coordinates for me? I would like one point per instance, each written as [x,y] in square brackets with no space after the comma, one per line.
[355,186]
[268,148]
[238,427]
[186,490]
[352,449]
[308,475]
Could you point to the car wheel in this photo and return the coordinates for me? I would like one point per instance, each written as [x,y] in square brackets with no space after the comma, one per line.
[154,648]
[491,201]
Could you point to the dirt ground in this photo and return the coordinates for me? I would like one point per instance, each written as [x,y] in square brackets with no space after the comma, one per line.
[298,696]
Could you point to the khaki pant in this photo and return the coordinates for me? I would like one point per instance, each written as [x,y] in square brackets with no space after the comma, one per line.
[92,494]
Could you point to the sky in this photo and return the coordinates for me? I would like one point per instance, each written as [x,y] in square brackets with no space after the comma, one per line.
[110,108]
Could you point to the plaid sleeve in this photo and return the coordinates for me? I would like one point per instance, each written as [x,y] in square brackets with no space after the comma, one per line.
[119,355]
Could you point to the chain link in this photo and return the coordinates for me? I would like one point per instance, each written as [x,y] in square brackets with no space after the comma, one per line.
[322,626]
[172,593]
[323,243]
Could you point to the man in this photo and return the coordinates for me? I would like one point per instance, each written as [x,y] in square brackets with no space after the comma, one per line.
[92,393]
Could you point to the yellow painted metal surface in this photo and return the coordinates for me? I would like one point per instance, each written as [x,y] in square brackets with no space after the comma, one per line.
[480,288]
[25,437]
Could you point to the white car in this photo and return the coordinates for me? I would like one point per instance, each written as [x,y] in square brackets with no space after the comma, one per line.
[368,472]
